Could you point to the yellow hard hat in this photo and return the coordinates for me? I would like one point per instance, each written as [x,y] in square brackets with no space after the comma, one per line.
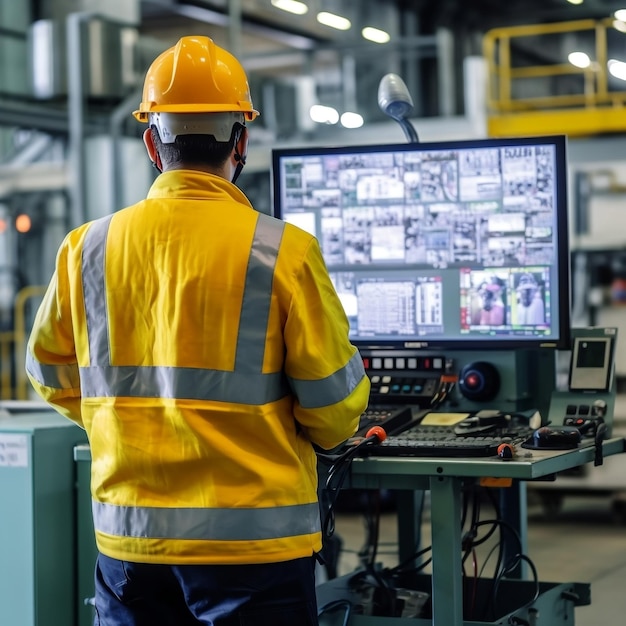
[195,76]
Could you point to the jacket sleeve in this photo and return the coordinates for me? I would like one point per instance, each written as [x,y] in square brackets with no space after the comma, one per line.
[325,370]
[51,363]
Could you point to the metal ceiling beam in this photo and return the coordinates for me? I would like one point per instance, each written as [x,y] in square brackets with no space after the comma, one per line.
[216,18]
[26,114]
[33,177]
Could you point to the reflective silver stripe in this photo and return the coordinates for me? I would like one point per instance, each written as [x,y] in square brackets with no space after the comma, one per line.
[55,376]
[182,382]
[249,524]
[94,291]
[257,295]
[313,394]
[245,384]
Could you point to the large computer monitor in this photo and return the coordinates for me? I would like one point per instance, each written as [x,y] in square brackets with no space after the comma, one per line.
[439,245]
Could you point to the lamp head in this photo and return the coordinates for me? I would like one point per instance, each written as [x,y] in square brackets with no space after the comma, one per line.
[394,98]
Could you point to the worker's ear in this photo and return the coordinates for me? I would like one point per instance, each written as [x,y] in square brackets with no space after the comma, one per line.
[148,141]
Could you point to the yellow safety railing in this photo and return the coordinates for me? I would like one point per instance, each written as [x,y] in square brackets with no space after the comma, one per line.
[524,98]
[13,380]
[6,365]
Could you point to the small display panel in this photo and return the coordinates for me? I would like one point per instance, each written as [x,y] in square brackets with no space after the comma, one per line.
[591,364]
[458,244]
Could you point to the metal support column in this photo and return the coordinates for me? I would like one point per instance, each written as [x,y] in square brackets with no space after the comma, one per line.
[447,580]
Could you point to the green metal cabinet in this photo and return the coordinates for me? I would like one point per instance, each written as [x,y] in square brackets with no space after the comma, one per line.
[38,546]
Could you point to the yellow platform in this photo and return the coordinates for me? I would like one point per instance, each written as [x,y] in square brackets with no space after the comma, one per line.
[571,122]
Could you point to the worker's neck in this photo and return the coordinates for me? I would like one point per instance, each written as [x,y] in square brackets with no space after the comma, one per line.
[217,171]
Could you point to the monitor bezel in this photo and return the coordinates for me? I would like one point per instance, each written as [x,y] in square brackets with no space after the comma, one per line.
[562,327]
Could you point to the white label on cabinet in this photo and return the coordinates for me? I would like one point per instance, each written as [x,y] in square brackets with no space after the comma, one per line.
[13,450]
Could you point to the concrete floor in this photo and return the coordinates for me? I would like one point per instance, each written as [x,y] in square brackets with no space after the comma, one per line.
[585,541]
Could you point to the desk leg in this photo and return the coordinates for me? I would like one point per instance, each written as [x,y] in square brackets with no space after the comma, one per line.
[447,580]
[514,511]
[410,508]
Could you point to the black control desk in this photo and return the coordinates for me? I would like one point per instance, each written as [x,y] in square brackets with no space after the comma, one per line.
[444,479]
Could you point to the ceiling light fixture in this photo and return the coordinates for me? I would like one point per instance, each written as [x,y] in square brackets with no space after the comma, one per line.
[333,20]
[619,25]
[375,34]
[291,6]
[323,114]
[617,69]
[620,14]
[349,119]
[575,1]
[579,59]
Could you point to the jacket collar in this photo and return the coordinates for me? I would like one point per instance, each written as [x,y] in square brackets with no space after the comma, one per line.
[196,185]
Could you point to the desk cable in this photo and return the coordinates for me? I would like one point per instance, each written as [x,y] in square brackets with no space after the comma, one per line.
[334,605]
[338,472]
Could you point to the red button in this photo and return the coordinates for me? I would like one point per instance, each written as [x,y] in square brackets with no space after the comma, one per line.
[472,380]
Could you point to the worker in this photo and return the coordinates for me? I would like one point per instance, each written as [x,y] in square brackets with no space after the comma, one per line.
[204,350]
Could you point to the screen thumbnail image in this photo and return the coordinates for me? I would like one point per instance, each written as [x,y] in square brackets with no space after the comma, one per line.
[528,306]
[345,286]
[487,295]
[332,239]
[385,307]
[439,178]
[428,305]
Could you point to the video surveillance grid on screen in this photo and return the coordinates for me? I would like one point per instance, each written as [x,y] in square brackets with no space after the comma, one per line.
[452,242]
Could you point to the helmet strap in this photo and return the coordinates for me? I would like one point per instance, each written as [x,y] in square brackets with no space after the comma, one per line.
[157,164]
[238,170]
[240,158]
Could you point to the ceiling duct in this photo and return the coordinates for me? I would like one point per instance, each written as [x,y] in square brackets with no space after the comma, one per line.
[108,66]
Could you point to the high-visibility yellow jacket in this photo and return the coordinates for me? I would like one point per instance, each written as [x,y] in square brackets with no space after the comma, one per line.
[204,350]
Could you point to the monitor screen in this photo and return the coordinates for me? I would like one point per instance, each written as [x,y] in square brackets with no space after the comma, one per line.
[453,245]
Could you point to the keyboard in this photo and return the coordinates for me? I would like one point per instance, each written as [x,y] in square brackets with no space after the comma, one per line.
[442,441]
[390,418]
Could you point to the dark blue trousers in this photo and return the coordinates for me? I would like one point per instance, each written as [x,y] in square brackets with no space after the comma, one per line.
[139,594]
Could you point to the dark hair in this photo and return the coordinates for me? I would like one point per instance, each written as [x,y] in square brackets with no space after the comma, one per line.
[195,149]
